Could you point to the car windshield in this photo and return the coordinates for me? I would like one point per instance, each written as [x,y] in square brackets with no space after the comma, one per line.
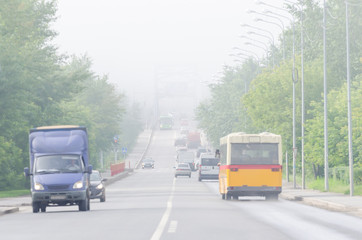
[209,161]
[183,166]
[95,176]
[58,164]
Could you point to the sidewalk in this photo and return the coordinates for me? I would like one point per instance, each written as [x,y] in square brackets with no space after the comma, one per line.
[11,205]
[328,200]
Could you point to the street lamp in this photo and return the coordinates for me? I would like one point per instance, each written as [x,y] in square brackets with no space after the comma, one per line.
[254,54]
[302,89]
[254,40]
[293,79]
[259,19]
[271,42]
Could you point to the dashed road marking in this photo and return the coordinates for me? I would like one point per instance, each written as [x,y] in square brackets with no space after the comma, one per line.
[161,226]
[173,226]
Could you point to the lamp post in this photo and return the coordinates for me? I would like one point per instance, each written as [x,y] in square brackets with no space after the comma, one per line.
[271,42]
[255,45]
[294,82]
[282,28]
[254,54]
[302,90]
[326,184]
[252,43]
[350,152]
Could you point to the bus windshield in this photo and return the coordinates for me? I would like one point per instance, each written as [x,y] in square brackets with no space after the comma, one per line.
[254,153]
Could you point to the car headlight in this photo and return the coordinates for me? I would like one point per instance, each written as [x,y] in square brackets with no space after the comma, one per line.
[100,186]
[38,186]
[78,185]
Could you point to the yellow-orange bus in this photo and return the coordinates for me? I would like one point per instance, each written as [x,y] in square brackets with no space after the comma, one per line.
[250,165]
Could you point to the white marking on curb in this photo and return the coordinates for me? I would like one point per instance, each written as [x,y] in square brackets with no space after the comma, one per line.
[161,226]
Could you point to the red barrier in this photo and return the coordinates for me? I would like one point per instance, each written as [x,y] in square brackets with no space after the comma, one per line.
[117,168]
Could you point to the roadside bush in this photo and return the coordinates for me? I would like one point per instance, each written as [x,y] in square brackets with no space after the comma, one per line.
[10,162]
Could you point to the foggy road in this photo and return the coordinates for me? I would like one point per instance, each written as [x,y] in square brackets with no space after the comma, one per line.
[152,204]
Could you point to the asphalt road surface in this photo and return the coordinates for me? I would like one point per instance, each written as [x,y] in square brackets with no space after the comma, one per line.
[152,204]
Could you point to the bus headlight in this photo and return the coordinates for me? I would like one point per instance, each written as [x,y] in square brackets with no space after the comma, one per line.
[78,185]
[38,186]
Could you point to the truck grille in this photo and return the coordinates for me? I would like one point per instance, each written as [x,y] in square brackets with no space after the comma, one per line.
[58,187]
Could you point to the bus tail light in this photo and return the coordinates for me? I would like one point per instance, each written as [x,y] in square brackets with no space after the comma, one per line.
[234,169]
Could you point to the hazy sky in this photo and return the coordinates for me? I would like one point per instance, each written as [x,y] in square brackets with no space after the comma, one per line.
[133,41]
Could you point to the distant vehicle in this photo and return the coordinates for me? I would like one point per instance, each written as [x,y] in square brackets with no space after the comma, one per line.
[193,140]
[184,131]
[250,165]
[166,122]
[97,187]
[184,122]
[148,163]
[180,141]
[209,168]
[186,157]
[183,169]
[59,167]
[201,150]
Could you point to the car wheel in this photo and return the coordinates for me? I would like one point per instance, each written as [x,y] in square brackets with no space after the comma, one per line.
[103,197]
[190,176]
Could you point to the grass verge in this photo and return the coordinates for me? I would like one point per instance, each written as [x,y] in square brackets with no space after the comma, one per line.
[14,193]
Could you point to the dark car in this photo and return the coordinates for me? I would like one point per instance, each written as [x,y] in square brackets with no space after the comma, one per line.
[148,163]
[97,187]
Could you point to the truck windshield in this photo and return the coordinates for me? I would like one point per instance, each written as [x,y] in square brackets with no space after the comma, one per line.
[58,164]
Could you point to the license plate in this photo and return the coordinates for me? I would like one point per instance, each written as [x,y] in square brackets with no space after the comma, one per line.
[57,197]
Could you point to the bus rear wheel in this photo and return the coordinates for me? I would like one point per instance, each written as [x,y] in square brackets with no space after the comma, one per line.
[271,197]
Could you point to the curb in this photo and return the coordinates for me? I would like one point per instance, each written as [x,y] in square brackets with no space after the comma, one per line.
[146,150]
[117,177]
[323,204]
[9,210]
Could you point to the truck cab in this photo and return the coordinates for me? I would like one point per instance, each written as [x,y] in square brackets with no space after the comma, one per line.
[59,167]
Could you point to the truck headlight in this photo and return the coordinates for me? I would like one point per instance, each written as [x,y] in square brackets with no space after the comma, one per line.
[100,186]
[78,185]
[38,186]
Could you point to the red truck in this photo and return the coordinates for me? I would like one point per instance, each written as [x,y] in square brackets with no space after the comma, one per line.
[193,140]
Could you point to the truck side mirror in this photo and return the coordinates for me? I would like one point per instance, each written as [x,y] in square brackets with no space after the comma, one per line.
[89,169]
[26,172]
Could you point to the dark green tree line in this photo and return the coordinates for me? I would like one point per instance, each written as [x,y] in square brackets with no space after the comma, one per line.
[40,87]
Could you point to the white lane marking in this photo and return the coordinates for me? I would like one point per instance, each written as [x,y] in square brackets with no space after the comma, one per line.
[173,226]
[161,226]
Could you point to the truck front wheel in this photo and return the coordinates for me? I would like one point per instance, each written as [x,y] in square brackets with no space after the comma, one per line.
[36,207]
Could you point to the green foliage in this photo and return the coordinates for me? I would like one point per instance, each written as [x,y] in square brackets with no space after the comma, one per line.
[39,87]
[224,112]
[10,165]
[14,193]
[268,102]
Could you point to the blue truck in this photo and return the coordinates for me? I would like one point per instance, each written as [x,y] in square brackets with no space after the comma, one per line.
[59,167]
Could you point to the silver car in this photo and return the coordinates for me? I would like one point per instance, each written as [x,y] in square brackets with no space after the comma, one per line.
[183,169]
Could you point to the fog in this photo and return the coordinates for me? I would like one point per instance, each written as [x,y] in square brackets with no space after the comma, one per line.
[139,42]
